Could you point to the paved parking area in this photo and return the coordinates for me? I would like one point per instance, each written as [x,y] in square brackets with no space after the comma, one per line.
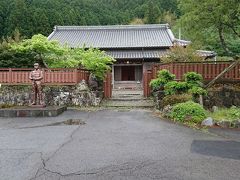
[113,145]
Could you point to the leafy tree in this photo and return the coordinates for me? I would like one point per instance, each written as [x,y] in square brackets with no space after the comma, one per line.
[152,13]
[52,54]
[209,20]
[40,16]
[40,47]
[40,21]
[96,61]
[181,54]
[19,18]
[12,59]
[169,17]
[137,21]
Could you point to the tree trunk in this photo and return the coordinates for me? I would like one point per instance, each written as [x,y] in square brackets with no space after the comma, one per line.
[222,39]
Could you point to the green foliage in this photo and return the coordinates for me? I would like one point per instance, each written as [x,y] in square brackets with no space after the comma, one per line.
[192,84]
[97,62]
[181,54]
[213,24]
[175,99]
[163,77]
[40,16]
[175,87]
[193,77]
[38,44]
[157,84]
[196,91]
[12,59]
[226,114]
[52,54]
[39,47]
[166,75]
[152,13]
[188,111]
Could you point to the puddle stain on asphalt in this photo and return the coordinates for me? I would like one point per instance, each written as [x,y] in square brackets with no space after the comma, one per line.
[222,149]
[68,122]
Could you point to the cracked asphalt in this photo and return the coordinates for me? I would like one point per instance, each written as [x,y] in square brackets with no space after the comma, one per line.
[114,145]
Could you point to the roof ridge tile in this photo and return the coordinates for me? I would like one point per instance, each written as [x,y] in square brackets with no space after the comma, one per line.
[112,27]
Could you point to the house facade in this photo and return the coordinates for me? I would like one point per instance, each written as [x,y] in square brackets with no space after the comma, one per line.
[135,47]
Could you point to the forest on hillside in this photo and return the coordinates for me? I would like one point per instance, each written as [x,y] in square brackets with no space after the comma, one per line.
[40,16]
[211,24]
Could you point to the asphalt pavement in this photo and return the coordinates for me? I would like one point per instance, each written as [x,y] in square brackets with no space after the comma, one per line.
[114,145]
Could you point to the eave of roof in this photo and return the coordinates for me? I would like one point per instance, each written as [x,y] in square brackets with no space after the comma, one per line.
[137,54]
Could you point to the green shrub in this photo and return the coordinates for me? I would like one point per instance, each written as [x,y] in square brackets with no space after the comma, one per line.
[157,84]
[188,112]
[175,98]
[175,87]
[192,77]
[163,77]
[166,75]
[196,91]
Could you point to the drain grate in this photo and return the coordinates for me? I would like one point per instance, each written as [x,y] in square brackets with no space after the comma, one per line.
[74,122]
[68,122]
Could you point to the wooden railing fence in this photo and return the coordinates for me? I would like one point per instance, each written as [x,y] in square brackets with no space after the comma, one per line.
[20,76]
[209,70]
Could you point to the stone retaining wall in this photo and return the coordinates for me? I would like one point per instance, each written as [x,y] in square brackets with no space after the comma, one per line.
[223,95]
[220,95]
[79,95]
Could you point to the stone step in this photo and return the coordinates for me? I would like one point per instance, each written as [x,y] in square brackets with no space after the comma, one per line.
[128,104]
[128,99]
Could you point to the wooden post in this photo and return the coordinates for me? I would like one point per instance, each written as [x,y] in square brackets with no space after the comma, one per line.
[10,76]
[75,76]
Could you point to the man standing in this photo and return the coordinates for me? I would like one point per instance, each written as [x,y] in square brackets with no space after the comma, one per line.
[36,76]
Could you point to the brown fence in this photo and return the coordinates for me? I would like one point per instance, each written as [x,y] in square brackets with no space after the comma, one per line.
[107,86]
[20,76]
[209,71]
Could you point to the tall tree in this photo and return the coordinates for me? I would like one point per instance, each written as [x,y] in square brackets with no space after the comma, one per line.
[208,20]
[19,18]
[152,13]
[40,16]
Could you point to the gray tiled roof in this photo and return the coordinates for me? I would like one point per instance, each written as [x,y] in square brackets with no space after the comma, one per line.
[204,53]
[115,36]
[137,54]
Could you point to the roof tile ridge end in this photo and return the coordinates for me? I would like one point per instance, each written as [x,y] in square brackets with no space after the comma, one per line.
[52,34]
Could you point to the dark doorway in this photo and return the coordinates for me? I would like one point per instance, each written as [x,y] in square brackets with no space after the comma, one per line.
[128,73]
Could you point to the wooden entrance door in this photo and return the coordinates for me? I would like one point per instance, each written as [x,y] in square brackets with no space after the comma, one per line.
[128,73]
